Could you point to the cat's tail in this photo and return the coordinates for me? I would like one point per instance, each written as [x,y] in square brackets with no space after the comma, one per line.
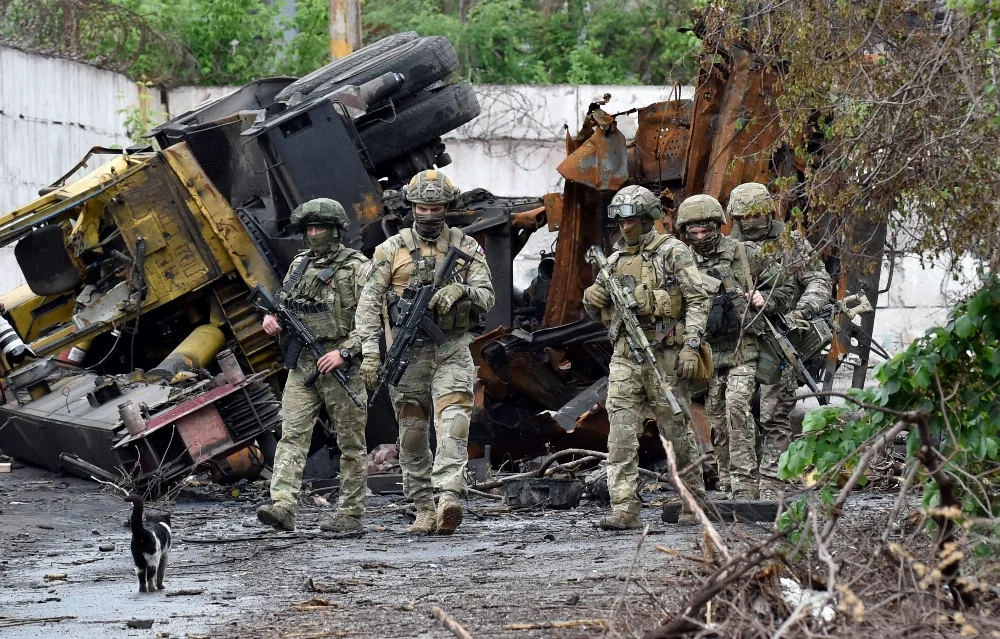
[135,523]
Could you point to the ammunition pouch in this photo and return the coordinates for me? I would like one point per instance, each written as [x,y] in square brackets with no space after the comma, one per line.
[770,360]
[723,319]
[810,337]
[292,351]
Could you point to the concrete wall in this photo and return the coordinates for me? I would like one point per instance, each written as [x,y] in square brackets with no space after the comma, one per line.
[512,148]
[52,112]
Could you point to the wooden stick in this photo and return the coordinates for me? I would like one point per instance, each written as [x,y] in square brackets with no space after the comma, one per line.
[549,625]
[448,623]
[689,499]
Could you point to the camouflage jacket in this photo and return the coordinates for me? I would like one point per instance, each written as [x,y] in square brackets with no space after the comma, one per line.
[813,284]
[761,274]
[325,291]
[393,270]
[664,263]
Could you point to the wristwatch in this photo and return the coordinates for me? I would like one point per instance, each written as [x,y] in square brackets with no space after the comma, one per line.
[346,354]
[694,342]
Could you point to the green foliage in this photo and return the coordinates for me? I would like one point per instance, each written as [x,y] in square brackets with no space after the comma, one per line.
[234,41]
[953,374]
[513,41]
[140,118]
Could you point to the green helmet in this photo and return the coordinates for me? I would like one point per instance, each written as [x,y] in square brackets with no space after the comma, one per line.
[700,208]
[322,210]
[632,201]
[750,200]
[430,187]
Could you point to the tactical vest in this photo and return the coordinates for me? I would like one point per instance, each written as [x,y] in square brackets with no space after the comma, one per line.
[419,272]
[646,266]
[324,295]
[736,279]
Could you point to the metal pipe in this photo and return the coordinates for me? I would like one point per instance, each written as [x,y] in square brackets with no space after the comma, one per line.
[196,351]
[134,423]
[345,27]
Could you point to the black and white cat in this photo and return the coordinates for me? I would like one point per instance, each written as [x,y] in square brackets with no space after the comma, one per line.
[150,546]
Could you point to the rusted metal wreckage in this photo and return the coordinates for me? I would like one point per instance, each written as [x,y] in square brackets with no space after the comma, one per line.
[138,313]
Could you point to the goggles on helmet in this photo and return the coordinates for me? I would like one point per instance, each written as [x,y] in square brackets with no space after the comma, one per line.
[623,210]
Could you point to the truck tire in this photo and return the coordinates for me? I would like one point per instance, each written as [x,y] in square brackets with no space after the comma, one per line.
[421,62]
[310,81]
[419,120]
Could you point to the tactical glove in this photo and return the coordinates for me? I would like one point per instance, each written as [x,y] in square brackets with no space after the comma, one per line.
[369,370]
[687,363]
[597,296]
[444,299]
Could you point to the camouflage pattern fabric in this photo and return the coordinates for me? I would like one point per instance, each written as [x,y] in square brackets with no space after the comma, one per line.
[664,266]
[731,389]
[632,395]
[439,380]
[776,404]
[300,407]
[331,324]
[813,289]
[733,428]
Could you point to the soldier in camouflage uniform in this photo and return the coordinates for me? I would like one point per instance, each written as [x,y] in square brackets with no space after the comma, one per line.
[752,210]
[749,286]
[439,379]
[673,308]
[322,286]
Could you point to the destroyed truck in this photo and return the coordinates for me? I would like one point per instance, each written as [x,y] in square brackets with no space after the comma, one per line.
[142,358]
[150,363]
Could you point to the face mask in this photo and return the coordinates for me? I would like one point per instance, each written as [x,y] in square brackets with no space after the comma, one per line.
[707,243]
[323,242]
[631,234]
[428,225]
[755,228]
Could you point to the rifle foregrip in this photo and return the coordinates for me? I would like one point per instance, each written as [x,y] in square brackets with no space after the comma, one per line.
[311,380]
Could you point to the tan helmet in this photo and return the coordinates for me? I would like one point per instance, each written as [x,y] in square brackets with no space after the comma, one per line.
[700,208]
[750,200]
[322,210]
[430,187]
[632,201]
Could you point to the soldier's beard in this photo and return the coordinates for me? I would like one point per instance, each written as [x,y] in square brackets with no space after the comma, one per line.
[428,225]
[755,229]
[324,242]
[707,243]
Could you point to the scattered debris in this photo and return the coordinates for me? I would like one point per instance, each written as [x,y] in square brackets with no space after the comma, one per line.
[553,493]
[335,587]
[314,604]
[384,458]
[549,625]
[55,576]
[5,467]
[106,547]
[10,622]
[139,624]
[186,592]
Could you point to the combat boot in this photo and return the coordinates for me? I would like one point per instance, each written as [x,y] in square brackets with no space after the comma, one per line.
[449,514]
[341,524]
[771,489]
[742,491]
[426,521]
[620,520]
[277,516]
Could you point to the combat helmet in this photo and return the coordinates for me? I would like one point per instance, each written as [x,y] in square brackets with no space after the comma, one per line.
[430,187]
[632,201]
[749,200]
[322,210]
[700,208]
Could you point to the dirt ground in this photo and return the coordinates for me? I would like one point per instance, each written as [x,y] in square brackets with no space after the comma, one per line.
[230,577]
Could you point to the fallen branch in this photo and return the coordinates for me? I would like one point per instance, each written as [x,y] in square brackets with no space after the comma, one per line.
[10,622]
[550,625]
[479,493]
[448,623]
[546,468]
[690,501]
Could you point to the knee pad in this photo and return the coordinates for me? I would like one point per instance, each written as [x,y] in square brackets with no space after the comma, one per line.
[413,435]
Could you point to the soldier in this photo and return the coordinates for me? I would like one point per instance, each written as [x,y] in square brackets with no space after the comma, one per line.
[439,379]
[322,286]
[673,308]
[748,287]
[752,210]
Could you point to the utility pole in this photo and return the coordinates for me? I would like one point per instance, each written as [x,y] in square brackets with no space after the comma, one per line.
[345,27]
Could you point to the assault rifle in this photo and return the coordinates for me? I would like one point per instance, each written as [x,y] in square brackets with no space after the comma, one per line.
[850,306]
[624,305]
[414,315]
[299,337]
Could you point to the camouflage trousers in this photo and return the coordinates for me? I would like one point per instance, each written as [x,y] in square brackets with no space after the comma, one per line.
[438,382]
[632,396]
[300,407]
[733,428]
[776,404]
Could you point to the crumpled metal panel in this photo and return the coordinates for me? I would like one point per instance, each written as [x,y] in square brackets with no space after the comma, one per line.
[659,150]
[601,161]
